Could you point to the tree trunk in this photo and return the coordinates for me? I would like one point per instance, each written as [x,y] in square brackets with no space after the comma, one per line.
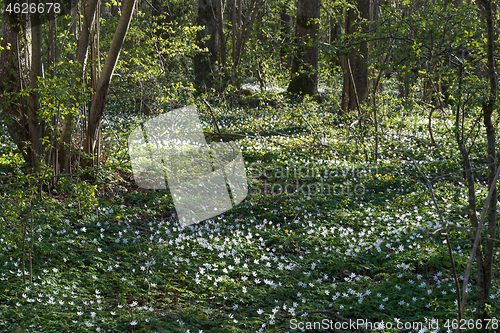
[11,82]
[101,92]
[355,62]
[35,126]
[252,14]
[285,30]
[488,107]
[220,33]
[18,112]
[404,77]
[235,27]
[334,36]
[204,62]
[81,55]
[305,61]
[51,57]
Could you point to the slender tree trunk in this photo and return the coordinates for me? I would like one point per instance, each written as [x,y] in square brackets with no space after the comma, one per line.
[101,92]
[36,127]
[335,38]
[305,61]
[253,13]
[404,77]
[240,25]
[51,57]
[81,55]
[220,33]
[285,30]
[488,108]
[19,112]
[204,62]
[234,28]
[355,63]
[12,82]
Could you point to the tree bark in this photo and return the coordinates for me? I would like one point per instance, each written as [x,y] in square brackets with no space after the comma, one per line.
[355,62]
[101,92]
[335,37]
[235,27]
[51,57]
[81,56]
[252,14]
[220,33]
[204,62]
[285,30]
[488,108]
[11,82]
[305,61]
[35,126]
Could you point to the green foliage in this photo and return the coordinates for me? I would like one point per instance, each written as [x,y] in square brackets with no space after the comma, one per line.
[115,258]
[328,222]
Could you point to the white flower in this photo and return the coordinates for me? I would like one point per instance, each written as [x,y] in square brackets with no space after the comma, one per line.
[260,311]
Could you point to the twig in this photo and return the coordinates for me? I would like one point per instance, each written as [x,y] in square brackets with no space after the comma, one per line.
[312,128]
[212,114]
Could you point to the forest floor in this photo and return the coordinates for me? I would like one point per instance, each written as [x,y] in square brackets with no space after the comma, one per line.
[348,240]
